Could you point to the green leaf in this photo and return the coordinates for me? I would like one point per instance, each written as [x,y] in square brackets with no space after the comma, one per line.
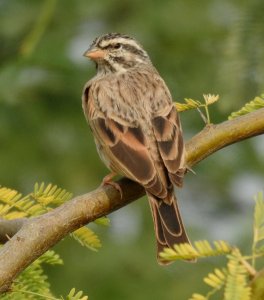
[50,195]
[50,257]
[32,283]
[236,284]
[15,203]
[191,104]
[200,249]
[196,296]
[104,221]
[256,103]
[73,295]
[86,237]
[216,279]
[258,222]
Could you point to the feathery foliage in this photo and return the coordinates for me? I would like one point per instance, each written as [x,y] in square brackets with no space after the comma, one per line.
[215,280]
[32,282]
[256,103]
[236,287]
[50,257]
[86,237]
[199,250]
[190,104]
[43,199]
[104,221]
[258,227]
[235,279]
[73,295]
[50,194]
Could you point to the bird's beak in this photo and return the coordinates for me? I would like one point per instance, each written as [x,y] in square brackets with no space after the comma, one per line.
[94,54]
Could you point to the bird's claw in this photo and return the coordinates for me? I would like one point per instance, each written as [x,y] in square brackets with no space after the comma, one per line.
[107,180]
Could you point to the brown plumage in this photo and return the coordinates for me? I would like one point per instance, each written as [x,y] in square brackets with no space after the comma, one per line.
[137,129]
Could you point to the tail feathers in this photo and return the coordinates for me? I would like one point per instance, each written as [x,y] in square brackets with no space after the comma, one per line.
[168,224]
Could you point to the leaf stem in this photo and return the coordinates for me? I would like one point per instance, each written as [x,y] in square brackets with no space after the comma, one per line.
[36,294]
[251,270]
[207,114]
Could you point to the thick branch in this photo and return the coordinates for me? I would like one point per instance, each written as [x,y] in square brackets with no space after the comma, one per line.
[37,235]
[216,137]
[9,228]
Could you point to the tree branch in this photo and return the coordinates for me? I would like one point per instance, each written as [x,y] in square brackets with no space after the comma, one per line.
[9,228]
[27,239]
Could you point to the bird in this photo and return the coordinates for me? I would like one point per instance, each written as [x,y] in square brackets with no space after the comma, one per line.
[137,130]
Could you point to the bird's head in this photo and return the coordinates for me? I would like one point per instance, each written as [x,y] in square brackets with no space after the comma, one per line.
[115,52]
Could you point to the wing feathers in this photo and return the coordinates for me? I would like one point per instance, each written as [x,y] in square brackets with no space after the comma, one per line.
[129,149]
[135,161]
[107,134]
[162,128]
[155,187]
[168,134]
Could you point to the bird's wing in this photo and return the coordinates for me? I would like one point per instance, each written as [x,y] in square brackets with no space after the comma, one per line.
[122,140]
[168,134]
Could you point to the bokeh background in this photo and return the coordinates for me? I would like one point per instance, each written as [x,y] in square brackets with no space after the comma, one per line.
[206,46]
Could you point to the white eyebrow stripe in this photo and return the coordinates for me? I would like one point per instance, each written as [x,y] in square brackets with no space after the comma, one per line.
[121,40]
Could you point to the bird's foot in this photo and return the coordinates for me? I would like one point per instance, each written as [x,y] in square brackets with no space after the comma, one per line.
[108,180]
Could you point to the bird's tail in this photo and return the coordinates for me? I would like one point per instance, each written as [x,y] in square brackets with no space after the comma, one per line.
[168,224]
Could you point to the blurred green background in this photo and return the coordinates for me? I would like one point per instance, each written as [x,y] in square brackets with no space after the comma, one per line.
[206,46]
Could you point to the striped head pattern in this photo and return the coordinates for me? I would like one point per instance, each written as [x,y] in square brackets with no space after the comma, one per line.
[115,52]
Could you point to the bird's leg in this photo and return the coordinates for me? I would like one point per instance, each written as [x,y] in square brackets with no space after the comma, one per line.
[108,180]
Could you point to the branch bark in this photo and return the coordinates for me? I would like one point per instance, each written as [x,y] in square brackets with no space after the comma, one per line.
[27,239]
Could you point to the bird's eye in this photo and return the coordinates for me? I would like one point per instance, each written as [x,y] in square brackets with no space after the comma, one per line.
[117,46]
